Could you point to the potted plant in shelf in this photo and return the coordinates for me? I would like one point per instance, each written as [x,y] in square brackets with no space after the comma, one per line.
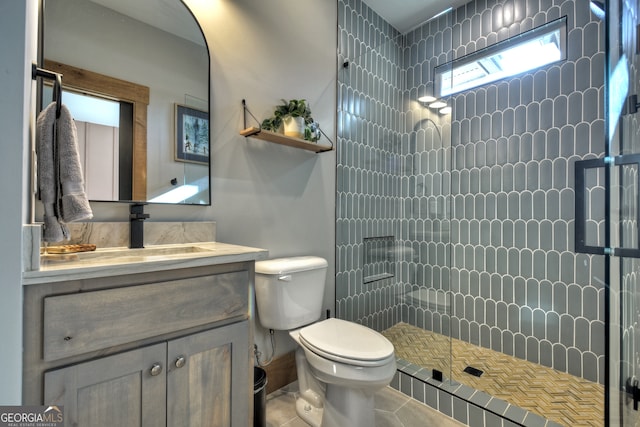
[295,118]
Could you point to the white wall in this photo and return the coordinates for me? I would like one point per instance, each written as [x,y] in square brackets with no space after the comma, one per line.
[266,195]
[15,86]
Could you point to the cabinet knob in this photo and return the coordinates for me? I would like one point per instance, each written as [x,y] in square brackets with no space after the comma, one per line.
[156,368]
[180,362]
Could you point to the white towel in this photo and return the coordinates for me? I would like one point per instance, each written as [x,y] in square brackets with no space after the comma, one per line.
[60,178]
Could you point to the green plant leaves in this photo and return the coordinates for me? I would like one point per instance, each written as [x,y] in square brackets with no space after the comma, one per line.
[293,108]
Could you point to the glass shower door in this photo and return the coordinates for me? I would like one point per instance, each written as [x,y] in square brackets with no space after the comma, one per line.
[393,179]
[624,198]
[608,213]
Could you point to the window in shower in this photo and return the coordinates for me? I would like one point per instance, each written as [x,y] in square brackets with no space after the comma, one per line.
[379,258]
[533,49]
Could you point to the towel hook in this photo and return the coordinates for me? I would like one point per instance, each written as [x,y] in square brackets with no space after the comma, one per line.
[57,84]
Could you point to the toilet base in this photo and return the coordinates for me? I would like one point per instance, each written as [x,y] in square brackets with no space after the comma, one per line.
[348,407]
[342,407]
[308,413]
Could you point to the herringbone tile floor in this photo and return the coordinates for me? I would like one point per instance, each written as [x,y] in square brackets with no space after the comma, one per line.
[555,395]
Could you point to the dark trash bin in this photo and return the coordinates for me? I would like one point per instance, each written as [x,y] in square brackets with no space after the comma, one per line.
[259,397]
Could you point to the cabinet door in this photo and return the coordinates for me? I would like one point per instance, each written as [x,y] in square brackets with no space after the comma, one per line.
[126,389]
[208,379]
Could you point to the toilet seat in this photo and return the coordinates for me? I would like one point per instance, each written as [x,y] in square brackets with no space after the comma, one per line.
[347,342]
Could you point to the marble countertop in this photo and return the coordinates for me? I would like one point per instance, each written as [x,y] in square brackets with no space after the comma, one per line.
[122,261]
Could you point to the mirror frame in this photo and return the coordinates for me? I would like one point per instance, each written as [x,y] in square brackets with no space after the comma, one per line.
[95,83]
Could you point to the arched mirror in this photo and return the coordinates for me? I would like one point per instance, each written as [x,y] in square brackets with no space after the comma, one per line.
[136,79]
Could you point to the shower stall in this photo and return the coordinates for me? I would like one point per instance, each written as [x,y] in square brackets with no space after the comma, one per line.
[490,230]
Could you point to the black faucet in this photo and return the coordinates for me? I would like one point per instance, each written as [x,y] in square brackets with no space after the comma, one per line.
[136,225]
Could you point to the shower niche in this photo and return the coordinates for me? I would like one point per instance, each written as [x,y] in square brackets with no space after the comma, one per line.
[379,258]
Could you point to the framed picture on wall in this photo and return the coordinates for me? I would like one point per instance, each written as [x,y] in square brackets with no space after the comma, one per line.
[192,135]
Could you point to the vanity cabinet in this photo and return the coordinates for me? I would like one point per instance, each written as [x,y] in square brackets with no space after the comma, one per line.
[170,348]
[188,381]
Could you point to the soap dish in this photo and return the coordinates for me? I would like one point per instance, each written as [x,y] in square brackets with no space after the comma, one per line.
[69,249]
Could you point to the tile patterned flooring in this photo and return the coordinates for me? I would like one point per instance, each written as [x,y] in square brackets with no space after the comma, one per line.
[557,396]
[393,409]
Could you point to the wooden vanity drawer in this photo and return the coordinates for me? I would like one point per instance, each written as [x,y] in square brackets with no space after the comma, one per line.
[90,321]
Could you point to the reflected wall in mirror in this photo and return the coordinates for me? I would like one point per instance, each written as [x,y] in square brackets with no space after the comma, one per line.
[117,50]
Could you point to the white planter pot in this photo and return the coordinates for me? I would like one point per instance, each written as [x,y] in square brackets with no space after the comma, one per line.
[294,126]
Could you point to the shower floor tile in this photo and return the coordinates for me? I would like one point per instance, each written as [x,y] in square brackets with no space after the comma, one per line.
[557,396]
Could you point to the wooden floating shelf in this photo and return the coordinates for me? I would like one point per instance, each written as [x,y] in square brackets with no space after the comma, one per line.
[279,138]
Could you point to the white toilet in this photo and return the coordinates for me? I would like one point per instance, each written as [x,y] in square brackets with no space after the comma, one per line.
[340,364]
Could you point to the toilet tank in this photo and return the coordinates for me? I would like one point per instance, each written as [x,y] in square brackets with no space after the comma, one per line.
[289,291]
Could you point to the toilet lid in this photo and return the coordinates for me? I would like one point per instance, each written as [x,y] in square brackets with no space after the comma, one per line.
[339,340]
